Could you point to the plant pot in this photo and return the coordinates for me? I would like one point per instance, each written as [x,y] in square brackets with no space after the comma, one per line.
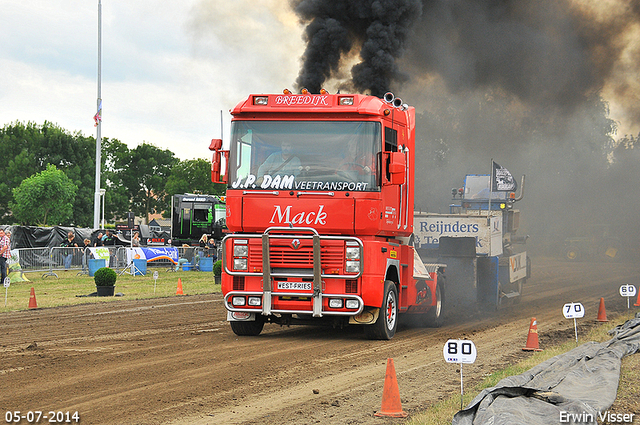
[105,291]
[217,279]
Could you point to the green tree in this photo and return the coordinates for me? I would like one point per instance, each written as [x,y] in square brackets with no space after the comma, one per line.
[192,176]
[144,172]
[29,148]
[115,156]
[44,198]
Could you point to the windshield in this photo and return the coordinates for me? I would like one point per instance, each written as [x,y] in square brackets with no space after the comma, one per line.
[304,155]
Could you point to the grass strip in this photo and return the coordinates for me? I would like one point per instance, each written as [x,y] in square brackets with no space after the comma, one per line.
[70,289]
[628,389]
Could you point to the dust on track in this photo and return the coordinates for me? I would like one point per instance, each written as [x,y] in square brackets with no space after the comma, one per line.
[176,361]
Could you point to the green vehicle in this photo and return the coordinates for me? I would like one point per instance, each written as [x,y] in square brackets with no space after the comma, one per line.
[594,243]
[195,215]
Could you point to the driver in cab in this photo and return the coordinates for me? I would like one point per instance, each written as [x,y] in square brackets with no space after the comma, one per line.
[281,163]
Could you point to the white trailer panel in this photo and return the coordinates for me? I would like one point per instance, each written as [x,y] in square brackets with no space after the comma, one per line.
[429,228]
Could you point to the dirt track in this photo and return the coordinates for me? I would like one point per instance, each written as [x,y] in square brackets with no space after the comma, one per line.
[176,361]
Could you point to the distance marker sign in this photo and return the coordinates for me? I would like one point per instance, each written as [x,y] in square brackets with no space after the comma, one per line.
[573,310]
[627,291]
[459,351]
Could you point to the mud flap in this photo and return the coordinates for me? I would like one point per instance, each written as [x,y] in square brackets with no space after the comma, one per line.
[488,281]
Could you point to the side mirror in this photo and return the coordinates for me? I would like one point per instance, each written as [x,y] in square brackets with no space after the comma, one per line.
[216,147]
[397,168]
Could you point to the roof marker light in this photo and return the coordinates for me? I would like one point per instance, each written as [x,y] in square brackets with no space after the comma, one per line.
[261,100]
[346,101]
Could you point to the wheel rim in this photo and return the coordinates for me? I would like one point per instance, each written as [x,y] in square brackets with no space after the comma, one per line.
[391,311]
[438,306]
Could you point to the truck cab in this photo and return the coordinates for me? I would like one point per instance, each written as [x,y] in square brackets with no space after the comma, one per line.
[319,200]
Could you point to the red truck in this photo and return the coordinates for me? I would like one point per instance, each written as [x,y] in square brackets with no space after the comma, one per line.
[319,209]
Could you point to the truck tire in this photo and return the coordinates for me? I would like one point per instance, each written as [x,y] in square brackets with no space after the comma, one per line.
[572,253]
[434,318]
[248,328]
[387,323]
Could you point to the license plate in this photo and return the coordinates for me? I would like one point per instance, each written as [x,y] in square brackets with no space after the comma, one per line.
[294,286]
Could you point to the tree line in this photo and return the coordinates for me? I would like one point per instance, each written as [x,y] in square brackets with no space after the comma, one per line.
[47,177]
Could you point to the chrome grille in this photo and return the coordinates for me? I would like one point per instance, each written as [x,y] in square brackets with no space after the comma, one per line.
[283,255]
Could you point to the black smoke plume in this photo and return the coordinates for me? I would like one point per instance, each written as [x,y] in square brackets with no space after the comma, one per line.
[543,51]
[378,28]
[527,83]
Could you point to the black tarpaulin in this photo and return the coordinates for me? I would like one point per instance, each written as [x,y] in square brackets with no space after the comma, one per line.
[574,387]
[40,237]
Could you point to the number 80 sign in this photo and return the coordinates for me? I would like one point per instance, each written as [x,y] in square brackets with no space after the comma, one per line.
[459,351]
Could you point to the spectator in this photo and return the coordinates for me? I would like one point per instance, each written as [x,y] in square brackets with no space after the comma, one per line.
[98,241]
[203,240]
[108,239]
[203,246]
[69,243]
[135,240]
[5,254]
[85,254]
[213,249]
[186,254]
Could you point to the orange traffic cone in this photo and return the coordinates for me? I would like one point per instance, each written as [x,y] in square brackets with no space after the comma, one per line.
[532,337]
[602,314]
[391,405]
[637,304]
[32,299]
[179,290]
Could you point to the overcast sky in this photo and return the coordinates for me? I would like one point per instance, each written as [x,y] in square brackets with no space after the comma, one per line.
[168,67]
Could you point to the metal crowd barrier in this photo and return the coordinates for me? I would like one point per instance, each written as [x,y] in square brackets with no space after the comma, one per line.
[51,259]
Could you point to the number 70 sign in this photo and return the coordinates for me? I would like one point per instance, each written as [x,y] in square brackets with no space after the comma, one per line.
[573,310]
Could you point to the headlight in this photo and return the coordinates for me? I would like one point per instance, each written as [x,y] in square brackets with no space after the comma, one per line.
[353,267]
[255,301]
[238,301]
[352,304]
[240,250]
[353,253]
[240,264]
[335,303]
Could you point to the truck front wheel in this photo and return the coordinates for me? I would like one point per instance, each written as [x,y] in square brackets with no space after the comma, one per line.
[572,253]
[433,318]
[387,323]
[248,328]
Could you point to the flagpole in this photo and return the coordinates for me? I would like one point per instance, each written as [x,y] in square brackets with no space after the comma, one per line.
[96,195]
[490,193]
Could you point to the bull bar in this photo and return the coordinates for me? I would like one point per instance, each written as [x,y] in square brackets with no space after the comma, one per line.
[267,273]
